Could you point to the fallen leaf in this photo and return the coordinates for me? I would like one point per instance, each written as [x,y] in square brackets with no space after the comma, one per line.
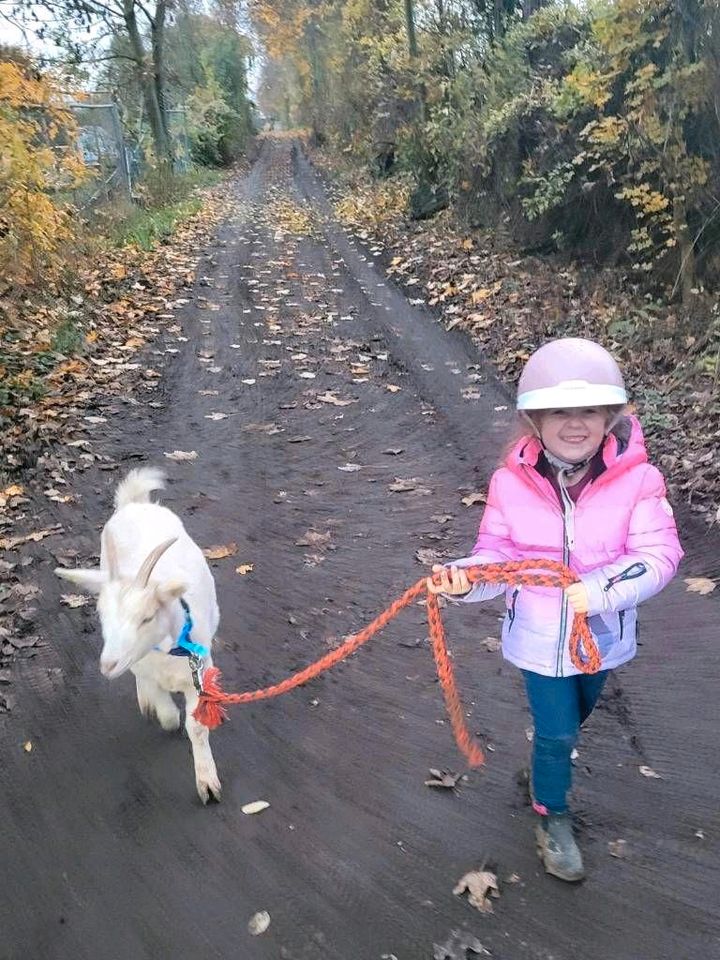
[480,885]
[27,746]
[443,778]
[650,773]
[244,569]
[257,806]
[9,543]
[307,375]
[472,498]
[216,416]
[701,585]
[618,848]
[313,539]
[14,490]
[492,644]
[219,553]
[259,923]
[393,388]
[393,451]
[442,518]
[313,559]
[74,600]
[182,455]
[58,497]
[428,556]
[329,397]
[458,946]
[350,467]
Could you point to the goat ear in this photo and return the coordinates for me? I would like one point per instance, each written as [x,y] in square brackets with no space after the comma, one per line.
[91,581]
[170,590]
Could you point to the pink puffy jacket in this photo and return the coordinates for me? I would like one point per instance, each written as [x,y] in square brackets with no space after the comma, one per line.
[620,537]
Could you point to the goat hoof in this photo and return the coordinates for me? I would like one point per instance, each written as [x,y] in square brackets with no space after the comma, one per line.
[209,789]
[169,720]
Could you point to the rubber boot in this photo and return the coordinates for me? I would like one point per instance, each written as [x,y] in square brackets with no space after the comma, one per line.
[557,849]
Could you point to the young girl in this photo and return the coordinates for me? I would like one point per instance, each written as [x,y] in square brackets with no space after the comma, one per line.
[577,488]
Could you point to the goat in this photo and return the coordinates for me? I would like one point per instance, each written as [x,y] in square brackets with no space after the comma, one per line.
[148,562]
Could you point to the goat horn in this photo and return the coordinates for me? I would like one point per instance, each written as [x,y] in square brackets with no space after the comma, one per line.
[148,564]
[111,557]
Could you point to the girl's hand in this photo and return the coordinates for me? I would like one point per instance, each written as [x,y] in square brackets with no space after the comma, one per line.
[453,581]
[577,597]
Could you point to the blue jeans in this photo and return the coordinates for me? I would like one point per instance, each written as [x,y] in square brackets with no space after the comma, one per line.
[559,705]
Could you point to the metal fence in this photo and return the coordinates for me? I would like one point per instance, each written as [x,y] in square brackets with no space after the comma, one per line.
[114,161]
[104,152]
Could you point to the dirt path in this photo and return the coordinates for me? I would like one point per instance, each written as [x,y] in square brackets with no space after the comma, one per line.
[106,851]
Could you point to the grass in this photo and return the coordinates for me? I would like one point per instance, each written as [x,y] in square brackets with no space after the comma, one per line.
[146,227]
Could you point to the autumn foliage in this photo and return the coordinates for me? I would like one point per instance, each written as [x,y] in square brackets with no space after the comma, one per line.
[38,166]
[590,130]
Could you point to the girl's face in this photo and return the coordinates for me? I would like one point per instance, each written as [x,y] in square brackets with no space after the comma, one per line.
[573,434]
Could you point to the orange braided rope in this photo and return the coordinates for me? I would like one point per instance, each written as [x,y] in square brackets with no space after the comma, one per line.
[583,650]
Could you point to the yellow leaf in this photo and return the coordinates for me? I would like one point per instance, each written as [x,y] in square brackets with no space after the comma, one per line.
[244,568]
[477,296]
[219,553]
[701,585]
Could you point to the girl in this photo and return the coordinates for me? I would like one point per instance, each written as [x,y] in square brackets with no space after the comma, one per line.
[576,488]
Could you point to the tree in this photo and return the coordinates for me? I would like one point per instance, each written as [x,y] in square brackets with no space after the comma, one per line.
[38,166]
[205,66]
[83,26]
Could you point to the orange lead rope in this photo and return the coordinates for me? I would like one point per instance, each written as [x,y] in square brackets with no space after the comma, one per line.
[583,649]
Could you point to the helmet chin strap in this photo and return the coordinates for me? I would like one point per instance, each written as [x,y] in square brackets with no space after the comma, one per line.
[565,467]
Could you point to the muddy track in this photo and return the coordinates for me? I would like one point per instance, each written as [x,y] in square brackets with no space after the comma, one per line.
[106,851]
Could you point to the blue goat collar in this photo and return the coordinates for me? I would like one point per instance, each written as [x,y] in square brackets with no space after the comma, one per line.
[184,646]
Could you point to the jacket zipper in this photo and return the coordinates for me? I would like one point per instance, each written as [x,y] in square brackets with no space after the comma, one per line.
[511,609]
[568,545]
[566,559]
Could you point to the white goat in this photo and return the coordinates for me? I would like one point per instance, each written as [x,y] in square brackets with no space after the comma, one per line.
[147,563]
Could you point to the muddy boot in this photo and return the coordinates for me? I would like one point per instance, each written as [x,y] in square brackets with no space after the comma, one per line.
[557,848]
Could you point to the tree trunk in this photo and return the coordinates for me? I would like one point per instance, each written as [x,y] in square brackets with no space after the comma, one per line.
[529,7]
[686,275]
[411,35]
[147,84]
[157,33]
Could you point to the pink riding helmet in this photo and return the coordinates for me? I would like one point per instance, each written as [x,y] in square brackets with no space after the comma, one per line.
[569,373]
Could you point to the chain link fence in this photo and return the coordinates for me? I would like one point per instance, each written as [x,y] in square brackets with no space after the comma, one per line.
[115,161]
[105,153]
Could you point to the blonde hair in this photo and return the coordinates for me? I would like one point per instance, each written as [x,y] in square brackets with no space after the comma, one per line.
[615,415]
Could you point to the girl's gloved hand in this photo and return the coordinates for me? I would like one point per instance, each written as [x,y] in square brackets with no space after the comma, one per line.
[577,597]
[452,580]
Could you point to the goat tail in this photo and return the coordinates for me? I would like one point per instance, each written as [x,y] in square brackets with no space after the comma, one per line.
[138,485]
